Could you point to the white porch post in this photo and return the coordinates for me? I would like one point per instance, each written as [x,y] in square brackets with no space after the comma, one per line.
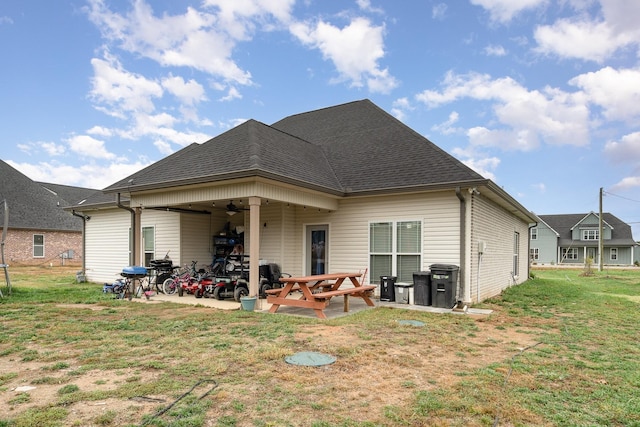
[254,245]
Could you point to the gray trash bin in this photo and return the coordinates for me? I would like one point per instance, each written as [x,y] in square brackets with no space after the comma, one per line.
[402,292]
[444,278]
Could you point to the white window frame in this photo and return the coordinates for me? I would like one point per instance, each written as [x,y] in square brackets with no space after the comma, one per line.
[570,253]
[38,245]
[395,254]
[534,233]
[534,254]
[613,254]
[516,254]
[590,234]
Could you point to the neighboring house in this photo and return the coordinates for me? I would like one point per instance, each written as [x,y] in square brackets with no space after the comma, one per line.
[573,238]
[40,231]
[342,188]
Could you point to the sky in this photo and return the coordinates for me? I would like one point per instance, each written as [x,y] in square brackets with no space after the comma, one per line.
[540,96]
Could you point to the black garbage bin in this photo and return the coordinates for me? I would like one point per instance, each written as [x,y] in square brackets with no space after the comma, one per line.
[387,288]
[444,278]
[422,288]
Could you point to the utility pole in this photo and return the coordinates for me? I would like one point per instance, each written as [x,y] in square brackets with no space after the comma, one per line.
[600,237]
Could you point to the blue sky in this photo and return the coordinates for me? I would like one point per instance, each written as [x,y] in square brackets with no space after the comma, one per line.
[541,96]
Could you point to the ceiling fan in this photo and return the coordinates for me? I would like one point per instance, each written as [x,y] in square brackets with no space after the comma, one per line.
[233,209]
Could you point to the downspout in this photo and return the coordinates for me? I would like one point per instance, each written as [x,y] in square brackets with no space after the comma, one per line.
[133,229]
[535,224]
[85,218]
[463,247]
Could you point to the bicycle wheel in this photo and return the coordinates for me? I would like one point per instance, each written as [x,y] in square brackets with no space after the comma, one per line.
[169,286]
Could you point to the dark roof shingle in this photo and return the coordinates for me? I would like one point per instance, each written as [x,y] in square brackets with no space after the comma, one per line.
[31,206]
[346,149]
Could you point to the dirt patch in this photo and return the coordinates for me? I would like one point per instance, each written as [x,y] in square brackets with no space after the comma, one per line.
[378,373]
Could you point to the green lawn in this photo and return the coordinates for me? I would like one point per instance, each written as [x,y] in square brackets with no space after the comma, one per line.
[561,349]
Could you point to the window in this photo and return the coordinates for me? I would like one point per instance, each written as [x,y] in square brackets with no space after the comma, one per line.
[590,234]
[534,234]
[571,253]
[148,244]
[534,254]
[395,248]
[38,245]
[613,254]
[516,254]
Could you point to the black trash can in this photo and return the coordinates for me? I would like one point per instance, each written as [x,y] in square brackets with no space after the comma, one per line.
[422,288]
[444,279]
[387,288]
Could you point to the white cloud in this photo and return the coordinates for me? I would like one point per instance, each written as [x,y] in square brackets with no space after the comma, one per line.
[365,5]
[195,39]
[239,17]
[52,149]
[616,91]
[87,146]
[399,108]
[232,94]
[627,150]
[188,93]
[447,128]
[5,20]
[539,187]
[439,11]
[592,38]
[504,11]
[627,183]
[524,116]
[163,147]
[479,162]
[354,50]
[100,131]
[495,50]
[118,91]
[89,175]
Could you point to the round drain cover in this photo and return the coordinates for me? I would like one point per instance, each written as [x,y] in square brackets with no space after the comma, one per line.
[411,322]
[310,358]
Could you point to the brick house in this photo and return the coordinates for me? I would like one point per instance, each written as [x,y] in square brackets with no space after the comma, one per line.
[40,231]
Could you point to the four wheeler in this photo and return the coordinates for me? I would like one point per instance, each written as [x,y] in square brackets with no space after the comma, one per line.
[226,287]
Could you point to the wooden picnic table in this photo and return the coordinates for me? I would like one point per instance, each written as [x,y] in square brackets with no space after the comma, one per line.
[317,291]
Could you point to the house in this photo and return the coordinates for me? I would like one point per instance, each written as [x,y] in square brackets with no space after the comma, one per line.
[40,231]
[342,188]
[573,238]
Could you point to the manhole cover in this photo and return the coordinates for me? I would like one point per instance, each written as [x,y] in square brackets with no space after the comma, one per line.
[310,358]
[411,322]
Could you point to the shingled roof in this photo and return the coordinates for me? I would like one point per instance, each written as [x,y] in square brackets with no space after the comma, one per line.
[563,223]
[353,148]
[31,206]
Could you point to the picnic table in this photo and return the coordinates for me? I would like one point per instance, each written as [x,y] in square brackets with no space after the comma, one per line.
[317,291]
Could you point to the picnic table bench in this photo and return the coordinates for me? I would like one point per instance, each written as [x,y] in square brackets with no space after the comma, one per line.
[328,285]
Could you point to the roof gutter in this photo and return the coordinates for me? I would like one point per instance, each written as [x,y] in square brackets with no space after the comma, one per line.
[133,228]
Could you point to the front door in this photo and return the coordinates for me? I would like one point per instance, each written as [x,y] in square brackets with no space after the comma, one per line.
[591,253]
[317,238]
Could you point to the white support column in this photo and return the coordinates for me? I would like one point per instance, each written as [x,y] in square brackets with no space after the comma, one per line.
[254,245]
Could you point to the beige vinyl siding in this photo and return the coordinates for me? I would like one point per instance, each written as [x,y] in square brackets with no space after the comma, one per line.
[167,232]
[496,227]
[107,244]
[195,236]
[348,248]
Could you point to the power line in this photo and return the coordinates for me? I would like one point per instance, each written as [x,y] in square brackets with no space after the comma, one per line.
[622,197]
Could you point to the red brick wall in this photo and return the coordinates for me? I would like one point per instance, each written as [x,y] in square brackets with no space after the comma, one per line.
[18,249]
